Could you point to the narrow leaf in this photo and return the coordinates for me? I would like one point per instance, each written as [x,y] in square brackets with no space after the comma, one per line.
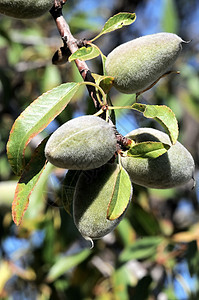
[148,149]
[103,63]
[122,193]
[141,249]
[163,115]
[126,232]
[143,221]
[85,53]
[65,263]
[27,182]
[34,119]
[116,22]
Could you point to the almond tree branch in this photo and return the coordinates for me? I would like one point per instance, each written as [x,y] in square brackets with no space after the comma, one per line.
[72,44]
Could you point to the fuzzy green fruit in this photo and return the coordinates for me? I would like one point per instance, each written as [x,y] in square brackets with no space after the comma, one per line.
[82,143]
[174,168]
[91,199]
[25,9]
[137,64]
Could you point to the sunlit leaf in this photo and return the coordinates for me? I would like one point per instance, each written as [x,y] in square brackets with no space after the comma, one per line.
[27,182]
[121,195]
[163,115]
[34,119]
[103,63]
[39,196]
[65,263]
[111,112]
[148,149]
[116,22]
[85,53]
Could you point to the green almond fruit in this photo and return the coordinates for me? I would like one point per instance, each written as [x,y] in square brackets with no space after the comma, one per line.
[92,196]
[174,168]
[137,64]
[25,9]
[83,143]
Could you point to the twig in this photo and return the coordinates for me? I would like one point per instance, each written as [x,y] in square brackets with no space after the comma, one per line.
[72,45]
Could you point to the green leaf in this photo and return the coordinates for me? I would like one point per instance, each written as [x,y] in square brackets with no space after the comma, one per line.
[163,115]
[27,182]
[122,193]
[105,82]
[39,196]
[103,63]
[111,111]
[148,149]
[116,22]
[170,19]
[141,249]
[126,232]
[143,221]
[85,53]
[65,263]
[34,119]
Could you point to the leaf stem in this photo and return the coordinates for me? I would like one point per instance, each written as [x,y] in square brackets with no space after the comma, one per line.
[120,107]
[99,88]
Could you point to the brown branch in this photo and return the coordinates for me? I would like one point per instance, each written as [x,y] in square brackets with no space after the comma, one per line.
[72,44]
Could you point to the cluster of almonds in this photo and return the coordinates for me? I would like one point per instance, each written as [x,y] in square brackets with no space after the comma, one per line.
[89,143]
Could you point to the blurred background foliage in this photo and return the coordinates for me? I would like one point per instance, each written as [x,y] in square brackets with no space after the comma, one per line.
[153,253]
